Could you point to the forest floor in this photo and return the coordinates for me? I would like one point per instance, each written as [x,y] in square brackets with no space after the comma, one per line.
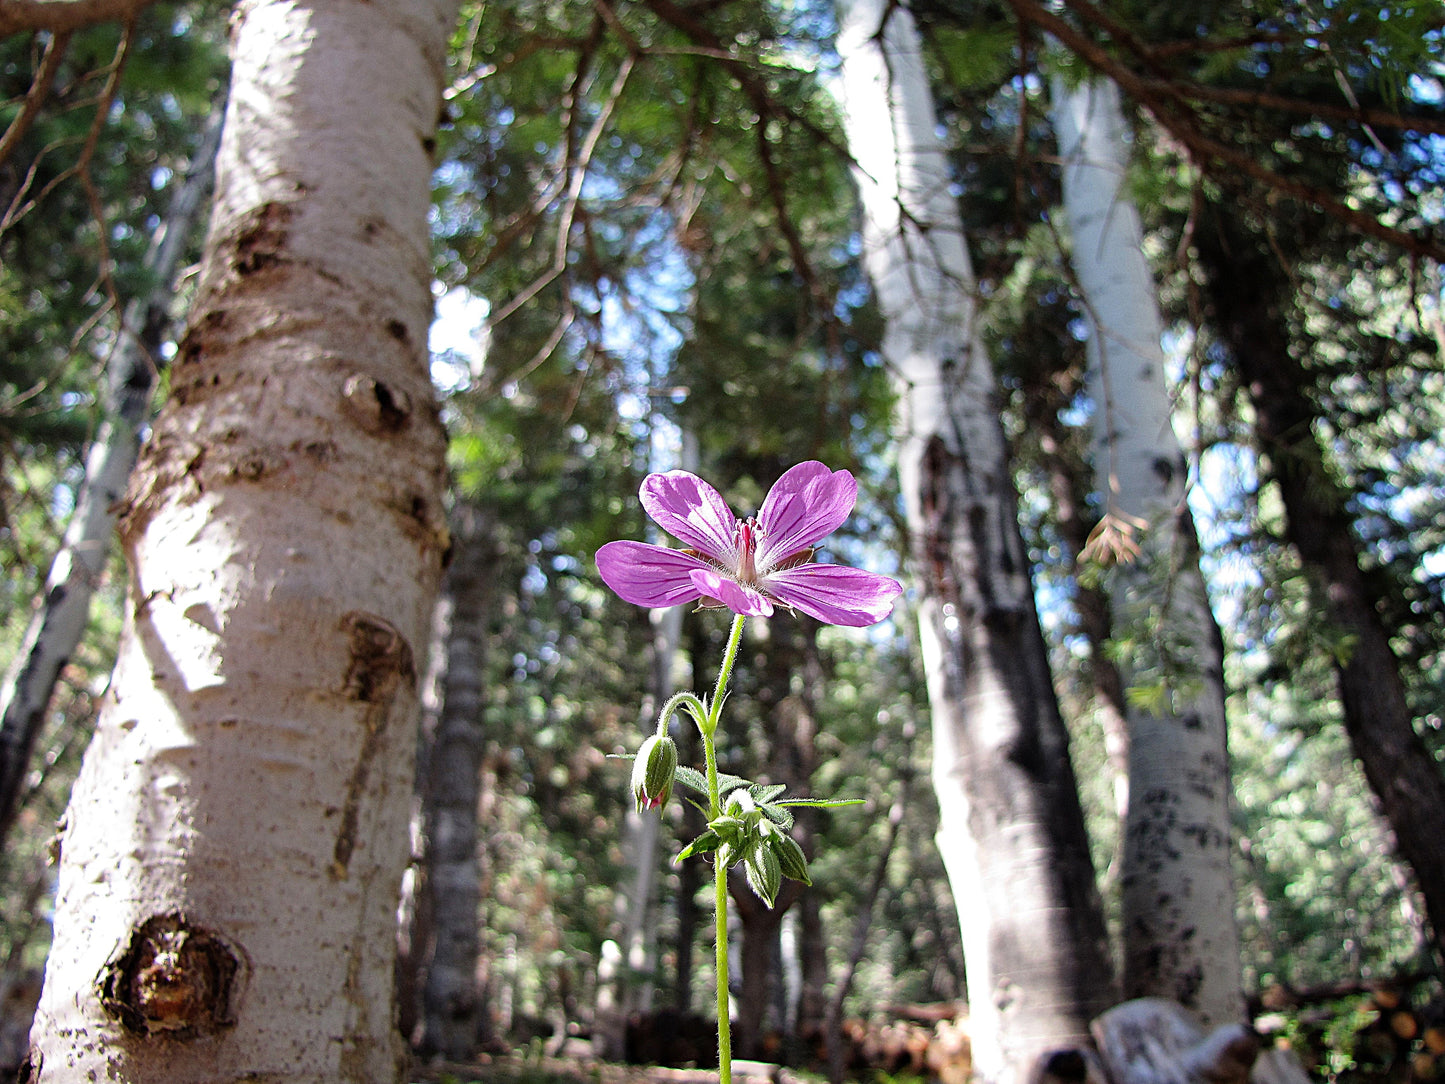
[537,1069]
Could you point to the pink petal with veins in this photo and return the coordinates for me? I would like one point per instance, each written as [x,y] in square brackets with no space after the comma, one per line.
[733,595]
[645,575]
[835,594]
[806,504]
[687,508]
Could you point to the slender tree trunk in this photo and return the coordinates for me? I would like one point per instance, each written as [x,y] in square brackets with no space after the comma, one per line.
[811,1019]
[1049,393]
[235,841]
[835,1041]
[1011,828]
[792,760]
[1181,940]
[796,745]
[759,969]
[452,1006]
[626,985]
[55,630]
[1249,295]
[690,875]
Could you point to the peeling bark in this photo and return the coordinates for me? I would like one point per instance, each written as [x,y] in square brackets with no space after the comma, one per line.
[251,770]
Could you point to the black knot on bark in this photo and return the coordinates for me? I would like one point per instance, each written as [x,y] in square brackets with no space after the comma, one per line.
[380,658]
[172,978]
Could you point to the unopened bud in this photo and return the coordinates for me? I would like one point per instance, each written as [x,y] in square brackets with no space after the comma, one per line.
[764,872]
[653,772]
[790,856]
[740,803]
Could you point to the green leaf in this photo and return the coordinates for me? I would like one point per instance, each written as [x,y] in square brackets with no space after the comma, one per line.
[692,778]
[779,816]
[820,803]
[708,841]
[726,783]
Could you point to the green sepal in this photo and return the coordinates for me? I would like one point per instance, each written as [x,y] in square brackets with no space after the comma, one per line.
[791,859]
[708,841]
[764,872]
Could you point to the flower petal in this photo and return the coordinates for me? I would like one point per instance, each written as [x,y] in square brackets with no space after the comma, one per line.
[805,504]
[733,595]
[688,508]
[648,575]
[835,594]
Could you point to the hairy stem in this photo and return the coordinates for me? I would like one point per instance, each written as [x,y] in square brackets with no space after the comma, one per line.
[720,870]
[724,1025]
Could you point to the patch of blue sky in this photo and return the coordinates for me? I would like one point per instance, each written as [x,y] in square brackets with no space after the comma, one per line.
[458,338]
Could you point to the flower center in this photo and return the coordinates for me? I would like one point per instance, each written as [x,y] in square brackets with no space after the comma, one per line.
[746,539]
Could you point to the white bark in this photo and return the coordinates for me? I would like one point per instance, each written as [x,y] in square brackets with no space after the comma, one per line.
[235,841]
[1011,830]
[1180,936]
[626,983]
[57,627]
[625,980]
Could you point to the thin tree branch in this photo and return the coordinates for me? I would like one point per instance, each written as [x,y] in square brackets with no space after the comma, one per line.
[1379,118]
[81,166]
[64,16]
[1224,163]
[39,90]
[576,172]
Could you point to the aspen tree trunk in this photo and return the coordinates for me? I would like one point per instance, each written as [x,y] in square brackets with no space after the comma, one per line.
[690,875]
[1047,395]
[130,379]
[625,984]
[1249,294]
[452,1004]
[1011,830]
[801,733]
[625,981]
[235,841]
[1181,940]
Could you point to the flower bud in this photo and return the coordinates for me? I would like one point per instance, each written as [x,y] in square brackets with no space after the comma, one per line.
[740,803]
[764,872]
[790,857]
[653,772]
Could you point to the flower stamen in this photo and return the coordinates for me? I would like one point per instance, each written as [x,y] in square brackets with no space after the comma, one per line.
[746,539]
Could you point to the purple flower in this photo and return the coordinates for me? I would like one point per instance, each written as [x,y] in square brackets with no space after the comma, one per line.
[748,565]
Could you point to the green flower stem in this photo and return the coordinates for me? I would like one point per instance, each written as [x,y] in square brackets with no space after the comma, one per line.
[724,1025]
[708,728]
[725,671]
[678,700]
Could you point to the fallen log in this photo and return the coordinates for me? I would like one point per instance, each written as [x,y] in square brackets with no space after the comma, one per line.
[1156,1041]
